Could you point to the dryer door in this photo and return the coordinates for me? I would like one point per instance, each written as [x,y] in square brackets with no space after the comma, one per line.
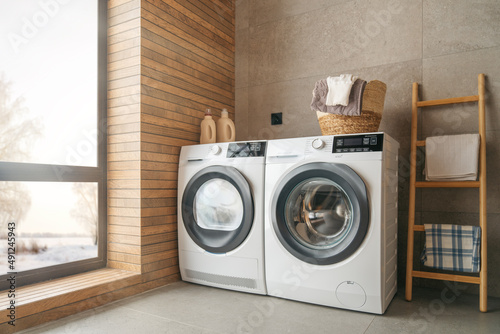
[218,208]
[320,212]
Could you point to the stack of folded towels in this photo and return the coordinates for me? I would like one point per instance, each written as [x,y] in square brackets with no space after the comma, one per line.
[452,247]
[340,95]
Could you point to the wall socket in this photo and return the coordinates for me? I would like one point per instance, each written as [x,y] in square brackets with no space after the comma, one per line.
[277,118]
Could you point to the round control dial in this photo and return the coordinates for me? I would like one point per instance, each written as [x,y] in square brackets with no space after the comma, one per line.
[318,143]
[215,149]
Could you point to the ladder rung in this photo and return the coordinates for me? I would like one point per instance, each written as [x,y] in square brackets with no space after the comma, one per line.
[447,277]
[463,99]
[447,184]
[419,228]
[420,142]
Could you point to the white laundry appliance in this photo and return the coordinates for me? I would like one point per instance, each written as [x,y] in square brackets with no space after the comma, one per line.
[221,215]
[331,220]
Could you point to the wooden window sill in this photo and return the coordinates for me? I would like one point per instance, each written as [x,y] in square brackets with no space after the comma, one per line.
[46,301]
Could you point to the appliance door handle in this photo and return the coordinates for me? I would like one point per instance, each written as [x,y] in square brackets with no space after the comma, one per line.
[192,160]
[285,156]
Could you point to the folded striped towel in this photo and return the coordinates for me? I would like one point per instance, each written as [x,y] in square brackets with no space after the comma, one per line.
[452,247]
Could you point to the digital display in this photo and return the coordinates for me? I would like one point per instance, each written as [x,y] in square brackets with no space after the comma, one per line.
[353,141]
[245,150]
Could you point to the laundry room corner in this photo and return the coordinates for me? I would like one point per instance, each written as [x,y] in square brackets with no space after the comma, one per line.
[303,215]
[281,51]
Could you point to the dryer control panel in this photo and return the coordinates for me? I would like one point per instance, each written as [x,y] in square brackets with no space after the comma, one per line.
[246,149]
[358,143]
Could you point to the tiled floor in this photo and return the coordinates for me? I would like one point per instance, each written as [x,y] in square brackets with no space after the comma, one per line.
[188,308]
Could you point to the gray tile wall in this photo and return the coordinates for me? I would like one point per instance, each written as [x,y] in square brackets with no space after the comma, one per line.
[284,46]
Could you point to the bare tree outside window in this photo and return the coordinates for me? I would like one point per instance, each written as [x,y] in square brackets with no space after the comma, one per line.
[17,132]
[85,212]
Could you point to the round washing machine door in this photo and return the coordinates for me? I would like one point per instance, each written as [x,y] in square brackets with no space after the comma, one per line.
[320,212]
[218,208]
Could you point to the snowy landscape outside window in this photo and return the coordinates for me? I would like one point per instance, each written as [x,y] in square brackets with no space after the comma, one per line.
[52,137]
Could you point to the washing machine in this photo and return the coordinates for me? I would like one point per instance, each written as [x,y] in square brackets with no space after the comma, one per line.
[331,220]
[221,215]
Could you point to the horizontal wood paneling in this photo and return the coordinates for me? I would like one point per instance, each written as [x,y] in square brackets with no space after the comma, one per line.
[163,108]
[187,70]
[122,257]
[187,66]
[195,28]
[128,13]
[169,31]
[124,202]
[124,266]
[123,221]
[176,82]
[210,15]
[124,103]
[124,248]
[123,91]
[213,66]
[124,27]
[124,82]
[160,274]
[124,138]
[123,229]
[118,7]
[171,254]
[124,108]
[157,221]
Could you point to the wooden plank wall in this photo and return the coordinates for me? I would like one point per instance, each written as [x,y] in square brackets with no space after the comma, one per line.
[124,134]
[168,62]
[187,65]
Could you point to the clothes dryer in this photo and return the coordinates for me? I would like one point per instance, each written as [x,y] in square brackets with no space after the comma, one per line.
[331,220]
[220,215]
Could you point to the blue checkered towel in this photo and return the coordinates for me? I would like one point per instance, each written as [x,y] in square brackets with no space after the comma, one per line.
[452,247]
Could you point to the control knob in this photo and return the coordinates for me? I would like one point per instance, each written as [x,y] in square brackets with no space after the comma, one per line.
[318,143]
[215,149]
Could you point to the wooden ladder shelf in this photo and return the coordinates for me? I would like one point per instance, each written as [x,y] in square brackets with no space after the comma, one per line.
[481,185]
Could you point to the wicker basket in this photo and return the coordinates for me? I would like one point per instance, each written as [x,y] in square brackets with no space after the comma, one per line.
[368,121]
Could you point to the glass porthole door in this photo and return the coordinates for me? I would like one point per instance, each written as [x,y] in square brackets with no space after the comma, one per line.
[217,208]
[320,212]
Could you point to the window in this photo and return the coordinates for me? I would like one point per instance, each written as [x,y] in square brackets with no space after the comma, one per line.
[52,138]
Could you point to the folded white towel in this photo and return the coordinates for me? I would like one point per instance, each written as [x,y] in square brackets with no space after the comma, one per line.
[339,89]
[452,158]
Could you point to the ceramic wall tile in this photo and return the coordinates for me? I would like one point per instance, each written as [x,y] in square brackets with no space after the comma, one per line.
[456,75]
[451,26]
[242,15]
[274,10]
[322,42]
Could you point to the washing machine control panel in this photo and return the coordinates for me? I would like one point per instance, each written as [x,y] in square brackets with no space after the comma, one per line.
[246,149]
[358,143]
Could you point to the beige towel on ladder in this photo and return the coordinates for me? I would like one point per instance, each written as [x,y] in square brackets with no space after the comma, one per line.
[452,158]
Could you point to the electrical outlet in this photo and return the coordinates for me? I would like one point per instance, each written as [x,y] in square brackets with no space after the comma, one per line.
[277,118]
